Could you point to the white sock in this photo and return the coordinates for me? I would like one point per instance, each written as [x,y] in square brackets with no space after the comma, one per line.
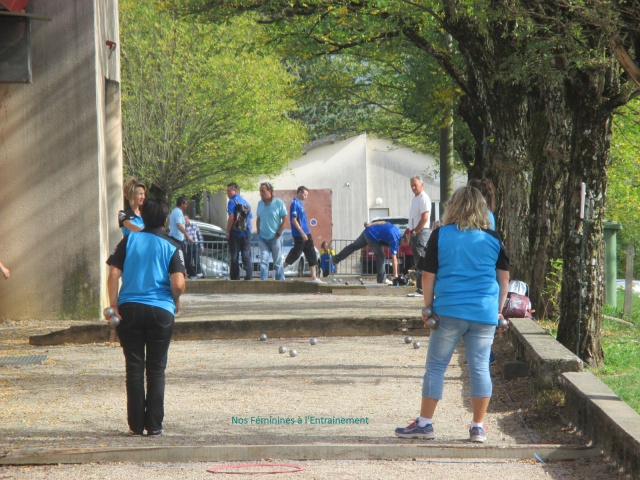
[422,422]
[474,424]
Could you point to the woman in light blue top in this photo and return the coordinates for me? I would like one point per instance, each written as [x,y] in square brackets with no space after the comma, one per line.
[461,263]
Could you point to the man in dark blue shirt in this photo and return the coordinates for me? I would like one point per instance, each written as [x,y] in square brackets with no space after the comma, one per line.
[239,241]
[376,235]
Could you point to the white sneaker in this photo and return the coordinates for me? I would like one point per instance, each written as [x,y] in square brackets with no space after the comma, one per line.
[317,280]
[387,282]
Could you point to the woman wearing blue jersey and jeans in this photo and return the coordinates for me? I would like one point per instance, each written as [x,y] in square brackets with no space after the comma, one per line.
[461,262]
[151,265]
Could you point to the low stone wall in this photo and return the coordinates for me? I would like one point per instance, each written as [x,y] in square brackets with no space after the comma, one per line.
[592,406]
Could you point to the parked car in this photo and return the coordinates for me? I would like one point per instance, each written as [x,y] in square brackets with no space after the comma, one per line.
[368,258]
[299,268]
[214,261]
[621,282]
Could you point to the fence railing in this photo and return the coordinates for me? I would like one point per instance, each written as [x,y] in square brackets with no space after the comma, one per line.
[213,260]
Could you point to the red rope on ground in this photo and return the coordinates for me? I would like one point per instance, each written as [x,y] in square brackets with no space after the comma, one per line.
[222,468]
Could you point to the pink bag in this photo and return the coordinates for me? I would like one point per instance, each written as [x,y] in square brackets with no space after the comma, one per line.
[518,306]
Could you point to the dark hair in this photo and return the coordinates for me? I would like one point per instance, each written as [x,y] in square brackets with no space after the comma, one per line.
[301,189]
[234,185]
[154,213]
[486,189]
[268,186]
[181,199]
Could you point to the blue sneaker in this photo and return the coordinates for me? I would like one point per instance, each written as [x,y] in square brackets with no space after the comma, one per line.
[477,434]
[414,431]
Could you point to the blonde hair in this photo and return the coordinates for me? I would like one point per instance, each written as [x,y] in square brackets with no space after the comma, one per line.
[129,189]
[467,209]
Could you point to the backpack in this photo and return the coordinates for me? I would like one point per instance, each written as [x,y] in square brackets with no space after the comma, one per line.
[518,304]
[241,217]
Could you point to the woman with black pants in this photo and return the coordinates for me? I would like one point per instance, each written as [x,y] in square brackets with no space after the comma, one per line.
[152,269]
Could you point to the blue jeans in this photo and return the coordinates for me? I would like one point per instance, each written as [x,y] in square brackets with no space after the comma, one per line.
[359,243]
[271,247]
[477,338]
[145,333]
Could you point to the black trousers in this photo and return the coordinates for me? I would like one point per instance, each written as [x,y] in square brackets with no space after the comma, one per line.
[145,334]
[240,246]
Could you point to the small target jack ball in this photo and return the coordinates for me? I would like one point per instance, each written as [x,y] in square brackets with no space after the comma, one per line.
[408,339]
[503,323]
[416,345]
[263,337]
[293,352]
[282,350]
[313,341]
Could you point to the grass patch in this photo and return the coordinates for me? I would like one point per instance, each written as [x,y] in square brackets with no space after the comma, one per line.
[621,344]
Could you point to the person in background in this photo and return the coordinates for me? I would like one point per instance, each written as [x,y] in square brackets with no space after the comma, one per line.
[326,254]
[302,240]
[6,273]
[129,219]
[194,249]
[239,241]
[406,253]
[461,263]
[419,217]
[376,235]
[272,218]
[151,267]
[177,230]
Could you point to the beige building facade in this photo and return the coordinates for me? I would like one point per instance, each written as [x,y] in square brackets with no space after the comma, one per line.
[61,164]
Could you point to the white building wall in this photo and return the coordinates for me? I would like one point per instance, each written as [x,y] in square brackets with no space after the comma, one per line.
[358,171]
[60,179]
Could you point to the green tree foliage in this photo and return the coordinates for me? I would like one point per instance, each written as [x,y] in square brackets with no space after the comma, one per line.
[199,108]
[623,190]
[538,82]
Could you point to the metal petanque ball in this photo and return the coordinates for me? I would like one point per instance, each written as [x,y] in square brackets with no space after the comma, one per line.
[427,312]
[416,345]
[503,323]
[293,352]
[114,320]
[313,341]
[282,350]
[432,323]
[263,337]
[346,283]
[408,339]
[109,312]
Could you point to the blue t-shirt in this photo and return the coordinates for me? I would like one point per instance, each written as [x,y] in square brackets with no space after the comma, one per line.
[271,217]
[297,211]
[387,234]
[231,207]
[465,263]
[147,260]
[176,217]
[492,221]
[128,214]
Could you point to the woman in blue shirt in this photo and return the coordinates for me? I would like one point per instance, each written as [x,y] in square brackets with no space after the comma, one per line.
[129,219]
[461,262]
[151,266]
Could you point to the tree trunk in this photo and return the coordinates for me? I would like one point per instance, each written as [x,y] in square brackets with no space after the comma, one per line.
[583,252]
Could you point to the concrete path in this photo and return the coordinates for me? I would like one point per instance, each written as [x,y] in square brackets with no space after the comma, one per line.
[331,409]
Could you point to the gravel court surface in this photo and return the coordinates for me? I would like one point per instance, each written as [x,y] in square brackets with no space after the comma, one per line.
[77,399]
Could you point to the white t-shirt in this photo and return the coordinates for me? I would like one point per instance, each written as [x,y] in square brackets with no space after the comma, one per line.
[421,203]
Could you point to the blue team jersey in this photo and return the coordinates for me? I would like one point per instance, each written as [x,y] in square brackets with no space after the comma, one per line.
[387,234]
[147,260]
[297,211]
[128,214]
[465,263]
[231,208]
